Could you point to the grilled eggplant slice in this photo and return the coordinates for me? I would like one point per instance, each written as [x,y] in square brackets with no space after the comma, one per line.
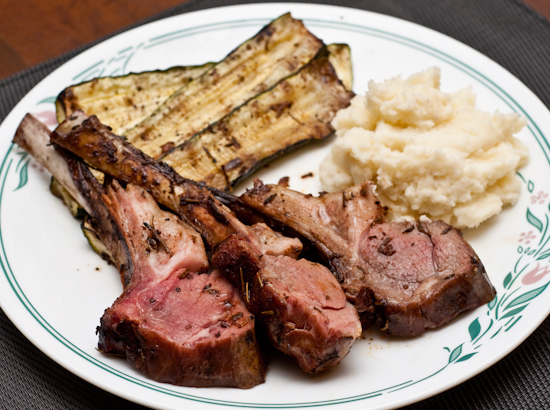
[122,102]
[296,110]
[278,50]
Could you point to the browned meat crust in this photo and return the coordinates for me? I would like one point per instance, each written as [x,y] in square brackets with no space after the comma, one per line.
[239,251]
[406,277]
[174,322]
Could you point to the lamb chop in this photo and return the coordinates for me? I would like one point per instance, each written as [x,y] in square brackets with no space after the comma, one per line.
[174,321]
[405,276]
[299,303]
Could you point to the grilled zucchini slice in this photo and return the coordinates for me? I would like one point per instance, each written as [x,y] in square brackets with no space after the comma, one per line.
[278,50]
[124,101]
[59,191]
[94,240]
[340,58]
[296,110]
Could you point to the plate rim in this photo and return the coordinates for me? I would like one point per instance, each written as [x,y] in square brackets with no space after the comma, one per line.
[215,10]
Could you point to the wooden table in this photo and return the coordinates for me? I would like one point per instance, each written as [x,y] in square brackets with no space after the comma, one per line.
[33,31]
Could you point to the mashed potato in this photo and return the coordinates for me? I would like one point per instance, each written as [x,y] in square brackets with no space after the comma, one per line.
[429,152]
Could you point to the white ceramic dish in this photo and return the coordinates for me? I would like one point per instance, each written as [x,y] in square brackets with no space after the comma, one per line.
[56,293]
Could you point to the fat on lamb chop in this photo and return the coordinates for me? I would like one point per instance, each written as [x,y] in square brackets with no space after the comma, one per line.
[405,276]
[299,303]
[174,321]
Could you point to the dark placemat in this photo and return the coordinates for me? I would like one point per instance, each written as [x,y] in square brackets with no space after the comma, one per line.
[508,32]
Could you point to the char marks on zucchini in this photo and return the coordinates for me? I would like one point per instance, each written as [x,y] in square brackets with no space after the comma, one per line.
[296,110]
[122,102]
[278,50]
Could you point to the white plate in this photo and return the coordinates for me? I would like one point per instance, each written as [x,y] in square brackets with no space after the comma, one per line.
[54,288]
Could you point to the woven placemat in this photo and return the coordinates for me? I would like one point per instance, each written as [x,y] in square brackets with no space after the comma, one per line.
[508,32]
